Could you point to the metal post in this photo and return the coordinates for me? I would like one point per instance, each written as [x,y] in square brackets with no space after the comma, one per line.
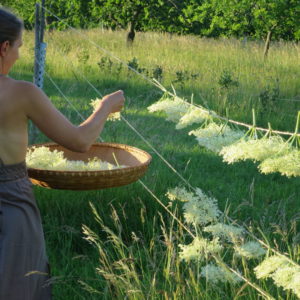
[37,41]
[40,46]
[40,55]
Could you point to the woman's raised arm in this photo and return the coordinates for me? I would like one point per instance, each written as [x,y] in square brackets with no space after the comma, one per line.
[57,127]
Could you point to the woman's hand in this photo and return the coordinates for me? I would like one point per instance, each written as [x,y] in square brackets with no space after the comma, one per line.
[113,102]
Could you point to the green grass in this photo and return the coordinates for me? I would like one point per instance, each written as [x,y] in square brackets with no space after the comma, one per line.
[153,270]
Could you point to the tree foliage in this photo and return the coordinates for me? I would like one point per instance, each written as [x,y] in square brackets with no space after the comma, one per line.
[212,18]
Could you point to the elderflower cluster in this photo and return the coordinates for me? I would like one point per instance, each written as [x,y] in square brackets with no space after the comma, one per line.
[254,149]
[112,117]
[202,210]
[43,158]
[180,194]
[288,278]
[214,137]
[215,275]
[269,265]
[230,233]
[175,108]
[194,115]
[199,209]
[281,271]
[288,164]
[199,248]
[250,250]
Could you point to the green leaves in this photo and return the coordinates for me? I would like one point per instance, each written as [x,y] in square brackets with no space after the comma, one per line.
[212,18]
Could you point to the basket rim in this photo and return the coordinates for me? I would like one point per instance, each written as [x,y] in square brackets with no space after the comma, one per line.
[95,172]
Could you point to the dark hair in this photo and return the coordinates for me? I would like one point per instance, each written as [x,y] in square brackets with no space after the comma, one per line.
[10,26]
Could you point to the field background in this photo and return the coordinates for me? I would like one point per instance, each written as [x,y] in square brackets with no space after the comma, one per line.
[268,204]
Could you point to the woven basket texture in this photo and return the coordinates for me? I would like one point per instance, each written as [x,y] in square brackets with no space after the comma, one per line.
[135,160]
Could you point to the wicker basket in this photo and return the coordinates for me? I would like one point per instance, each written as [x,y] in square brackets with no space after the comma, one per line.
[136,160]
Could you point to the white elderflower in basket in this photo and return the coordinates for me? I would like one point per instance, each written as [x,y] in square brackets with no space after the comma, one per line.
[104,165]
[43,158]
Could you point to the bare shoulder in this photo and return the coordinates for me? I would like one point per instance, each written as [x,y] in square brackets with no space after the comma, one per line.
[26,93]
[24,87]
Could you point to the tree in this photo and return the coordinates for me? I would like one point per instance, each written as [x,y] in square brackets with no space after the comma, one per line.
[138,15]
[261,19]
[279,19]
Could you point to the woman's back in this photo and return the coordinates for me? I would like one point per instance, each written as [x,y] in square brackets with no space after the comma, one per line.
[13,121]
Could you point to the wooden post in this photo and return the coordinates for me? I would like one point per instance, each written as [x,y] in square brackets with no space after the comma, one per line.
[267,44]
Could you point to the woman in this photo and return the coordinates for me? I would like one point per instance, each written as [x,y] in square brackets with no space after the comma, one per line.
[23,262]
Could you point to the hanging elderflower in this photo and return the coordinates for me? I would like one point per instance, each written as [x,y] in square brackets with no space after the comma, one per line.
[180,194]
[215,274]
[288,164]
[43,158]
[284,273]
[199,249]
[250,250]
[194,115]
[112,117]
[270,265]
[254,149]
[230,233]
[199,209]
[174,107]
[288,278]
[214,137]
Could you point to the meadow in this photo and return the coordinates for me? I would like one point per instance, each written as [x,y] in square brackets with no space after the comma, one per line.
[135,250]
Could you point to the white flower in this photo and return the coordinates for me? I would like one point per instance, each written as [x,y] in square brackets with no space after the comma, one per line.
[287,164]
[270,265]
[180,194]
[250,250]
[174,108]
[199,249]
[215,275]
[214,137]
[112,117]
[201,210]
[286,277]
[294,284]
[228,232]
[254,149]
[43,158]
[194,115]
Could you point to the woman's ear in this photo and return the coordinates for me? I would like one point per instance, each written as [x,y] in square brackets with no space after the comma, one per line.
[4,48]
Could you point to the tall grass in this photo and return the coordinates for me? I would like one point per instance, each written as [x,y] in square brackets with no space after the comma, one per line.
[135,253]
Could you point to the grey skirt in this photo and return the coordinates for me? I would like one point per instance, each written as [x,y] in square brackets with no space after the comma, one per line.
[24,269]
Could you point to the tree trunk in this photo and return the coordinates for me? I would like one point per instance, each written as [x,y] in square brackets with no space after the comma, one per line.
[267,44]
[133,23]
[131,34]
